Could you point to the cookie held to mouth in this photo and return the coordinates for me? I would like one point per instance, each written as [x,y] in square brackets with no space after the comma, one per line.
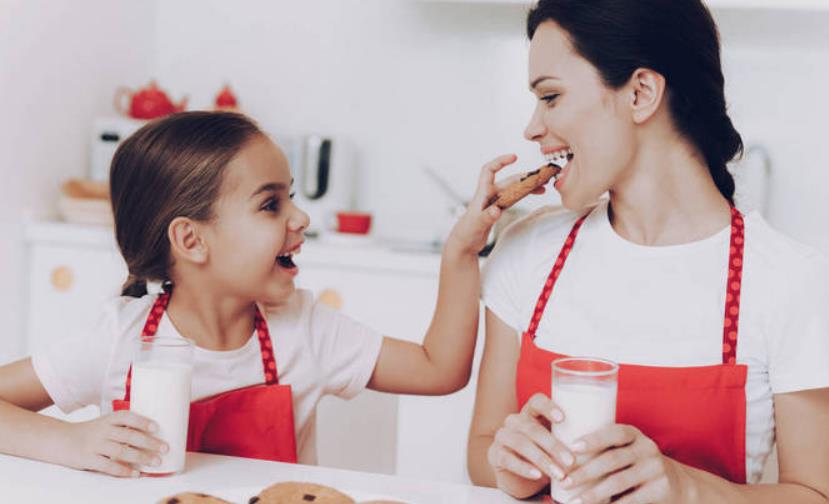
[516,191]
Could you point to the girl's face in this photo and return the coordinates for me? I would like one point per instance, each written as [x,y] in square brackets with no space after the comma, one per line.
[576,111]
[257,227]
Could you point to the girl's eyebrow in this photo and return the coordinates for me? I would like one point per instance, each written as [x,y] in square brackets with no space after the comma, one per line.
[271,187]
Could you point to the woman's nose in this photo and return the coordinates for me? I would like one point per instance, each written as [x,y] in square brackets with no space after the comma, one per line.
[535,129]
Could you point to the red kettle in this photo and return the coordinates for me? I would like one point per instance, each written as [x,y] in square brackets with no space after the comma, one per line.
[146,103]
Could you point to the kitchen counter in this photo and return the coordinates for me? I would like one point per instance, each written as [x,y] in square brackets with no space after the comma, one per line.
[232,478]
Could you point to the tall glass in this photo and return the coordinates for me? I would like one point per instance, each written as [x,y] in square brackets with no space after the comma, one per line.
[585,391]
[161,374]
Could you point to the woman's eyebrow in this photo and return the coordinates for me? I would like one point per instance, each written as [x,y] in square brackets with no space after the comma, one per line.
[541,79]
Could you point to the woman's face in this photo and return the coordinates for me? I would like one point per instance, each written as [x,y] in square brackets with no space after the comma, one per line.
[576,111]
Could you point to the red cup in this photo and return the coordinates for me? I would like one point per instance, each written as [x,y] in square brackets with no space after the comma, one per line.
[353,222]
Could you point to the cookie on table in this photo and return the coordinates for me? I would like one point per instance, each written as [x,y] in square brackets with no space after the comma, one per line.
[293,492]
[192,498]
[381,502]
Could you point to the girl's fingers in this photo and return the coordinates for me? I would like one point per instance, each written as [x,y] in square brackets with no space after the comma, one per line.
[517,452]
[137,439]
[127,418]
[487,179]
[602,465]
[123,453]
[108,466]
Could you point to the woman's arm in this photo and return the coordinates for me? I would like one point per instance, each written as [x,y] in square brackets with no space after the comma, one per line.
[512,450]
[108,444]
[443,363]
[631,461]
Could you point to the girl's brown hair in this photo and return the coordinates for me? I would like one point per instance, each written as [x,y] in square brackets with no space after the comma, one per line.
[172,167]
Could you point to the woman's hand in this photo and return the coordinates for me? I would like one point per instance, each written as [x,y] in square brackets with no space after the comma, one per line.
[525,447]
[113,443]
[472,229]
[629,463]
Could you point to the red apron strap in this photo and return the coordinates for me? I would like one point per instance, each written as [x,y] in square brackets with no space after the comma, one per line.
[733,288]
[268,361]
[547,290]
[733,284]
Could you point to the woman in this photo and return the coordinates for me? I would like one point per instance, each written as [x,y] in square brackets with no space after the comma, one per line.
[719,323]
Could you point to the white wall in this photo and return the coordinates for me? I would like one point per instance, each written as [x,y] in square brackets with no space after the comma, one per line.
[59,64]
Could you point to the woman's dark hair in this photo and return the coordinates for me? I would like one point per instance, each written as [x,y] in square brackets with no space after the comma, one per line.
[172,167]
[678,39]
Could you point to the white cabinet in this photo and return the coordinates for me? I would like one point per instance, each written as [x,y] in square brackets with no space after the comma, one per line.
[72,269]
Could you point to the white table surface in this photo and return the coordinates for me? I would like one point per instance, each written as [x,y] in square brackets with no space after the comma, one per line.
[232,478]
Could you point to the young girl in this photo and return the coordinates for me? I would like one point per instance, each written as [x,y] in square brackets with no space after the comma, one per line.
[202,203]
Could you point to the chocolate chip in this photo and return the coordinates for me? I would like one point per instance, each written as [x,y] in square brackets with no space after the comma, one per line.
[253,500]
[174,500]
[309,497]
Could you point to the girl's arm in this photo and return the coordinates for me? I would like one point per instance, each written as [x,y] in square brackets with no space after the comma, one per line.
[108,444]
[443,363]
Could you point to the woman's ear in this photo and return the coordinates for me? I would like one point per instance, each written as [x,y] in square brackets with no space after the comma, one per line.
[647,91]
[186,242]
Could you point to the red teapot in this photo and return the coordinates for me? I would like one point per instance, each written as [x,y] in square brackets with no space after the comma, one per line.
[146,103]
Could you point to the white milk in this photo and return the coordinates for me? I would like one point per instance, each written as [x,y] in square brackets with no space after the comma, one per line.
[161,392]
[587,408]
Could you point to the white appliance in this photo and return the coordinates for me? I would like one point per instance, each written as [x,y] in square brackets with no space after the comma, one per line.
[324,178]
[107,135]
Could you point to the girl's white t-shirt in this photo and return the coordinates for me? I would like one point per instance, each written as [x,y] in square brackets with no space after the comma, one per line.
[318,351]
[664,306]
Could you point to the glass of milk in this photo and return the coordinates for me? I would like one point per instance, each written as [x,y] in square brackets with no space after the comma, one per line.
[161,374]
[585,391]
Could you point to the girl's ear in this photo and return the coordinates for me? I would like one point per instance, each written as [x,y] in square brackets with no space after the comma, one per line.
[647,89]
[186,243]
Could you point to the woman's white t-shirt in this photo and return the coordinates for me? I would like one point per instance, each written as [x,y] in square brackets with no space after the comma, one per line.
[664,306]
[318,351]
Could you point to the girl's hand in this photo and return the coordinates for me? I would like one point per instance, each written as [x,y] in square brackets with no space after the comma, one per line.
[526,448]
[113,443]
[628,463]
[471,231]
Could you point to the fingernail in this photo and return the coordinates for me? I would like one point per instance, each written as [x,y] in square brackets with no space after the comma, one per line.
[567,482]
[534,473]
[579,446]
[153,427]
[164,448]
[156,461]
[553,470]
[558,416]
[567,459]
[135,474]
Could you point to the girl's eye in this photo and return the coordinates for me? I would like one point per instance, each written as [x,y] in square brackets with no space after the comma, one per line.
[550,98]
[271,205]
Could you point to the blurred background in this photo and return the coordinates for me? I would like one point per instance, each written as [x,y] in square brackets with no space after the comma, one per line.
[404,86]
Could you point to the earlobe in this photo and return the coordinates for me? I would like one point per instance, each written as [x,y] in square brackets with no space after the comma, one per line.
[186,242]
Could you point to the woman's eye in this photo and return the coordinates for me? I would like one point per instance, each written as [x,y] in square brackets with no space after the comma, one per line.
[292,195]
[550,98]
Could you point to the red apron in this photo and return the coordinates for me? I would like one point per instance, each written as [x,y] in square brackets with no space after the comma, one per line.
[254,422]
[696,415]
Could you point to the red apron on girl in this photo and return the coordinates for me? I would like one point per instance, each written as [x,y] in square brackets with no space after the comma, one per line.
[696,415]
[254,422]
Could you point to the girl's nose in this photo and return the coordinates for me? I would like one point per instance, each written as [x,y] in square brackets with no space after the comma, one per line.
[535,129]
[299,221]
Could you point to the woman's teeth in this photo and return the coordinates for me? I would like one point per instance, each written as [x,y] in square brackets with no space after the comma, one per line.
[560,157]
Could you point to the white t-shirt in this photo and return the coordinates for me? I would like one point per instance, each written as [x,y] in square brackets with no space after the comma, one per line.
[318,351]
[664,306]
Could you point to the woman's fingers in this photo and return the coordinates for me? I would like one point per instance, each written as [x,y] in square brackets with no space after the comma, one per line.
[621,482]
[541,406]
[612,436]
[608,462]
[517,452]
